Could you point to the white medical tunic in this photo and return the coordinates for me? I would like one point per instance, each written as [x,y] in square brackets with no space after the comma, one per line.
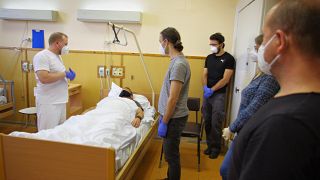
[52,93]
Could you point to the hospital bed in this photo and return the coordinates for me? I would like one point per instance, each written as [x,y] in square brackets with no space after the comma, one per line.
[7,101]
[29,158]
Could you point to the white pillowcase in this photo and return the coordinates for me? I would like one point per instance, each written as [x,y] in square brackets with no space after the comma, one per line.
[142,100]
[115,90]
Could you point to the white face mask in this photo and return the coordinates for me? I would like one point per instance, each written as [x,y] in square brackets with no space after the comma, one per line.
[162,50]
[253,56]
[213,49]
[65,50]
[263,65]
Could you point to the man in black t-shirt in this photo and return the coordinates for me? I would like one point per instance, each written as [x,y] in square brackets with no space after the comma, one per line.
[218,69]
[282,140]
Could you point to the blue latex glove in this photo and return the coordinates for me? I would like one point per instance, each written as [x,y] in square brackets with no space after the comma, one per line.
[70,74]
[162,129]
[207,92]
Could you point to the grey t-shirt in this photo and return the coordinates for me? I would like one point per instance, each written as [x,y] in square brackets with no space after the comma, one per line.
[179,70]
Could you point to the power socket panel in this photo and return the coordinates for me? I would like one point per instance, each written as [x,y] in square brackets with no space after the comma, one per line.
[118,72]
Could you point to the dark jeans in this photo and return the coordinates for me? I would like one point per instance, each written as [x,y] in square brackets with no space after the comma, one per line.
[171,146]
[214,114]
[225,166]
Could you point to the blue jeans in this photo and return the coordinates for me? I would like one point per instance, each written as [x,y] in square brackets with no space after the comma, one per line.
[171,146]
[225,166]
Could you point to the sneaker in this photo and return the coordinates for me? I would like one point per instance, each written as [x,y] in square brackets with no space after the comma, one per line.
[213,155]
[207,151]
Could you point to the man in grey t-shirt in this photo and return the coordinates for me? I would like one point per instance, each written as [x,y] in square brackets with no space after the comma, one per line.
[179,70]
[173,100]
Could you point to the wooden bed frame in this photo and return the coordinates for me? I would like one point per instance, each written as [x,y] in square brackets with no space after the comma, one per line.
[25,158]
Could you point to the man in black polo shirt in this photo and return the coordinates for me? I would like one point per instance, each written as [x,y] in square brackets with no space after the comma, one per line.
[218,69]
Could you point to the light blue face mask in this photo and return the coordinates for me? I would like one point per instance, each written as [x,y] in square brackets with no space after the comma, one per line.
[263,65]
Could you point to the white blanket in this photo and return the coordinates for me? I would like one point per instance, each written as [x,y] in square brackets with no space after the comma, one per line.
[109,125]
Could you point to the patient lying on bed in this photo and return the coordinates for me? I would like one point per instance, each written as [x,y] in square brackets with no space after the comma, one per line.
[127,93]
[113,123]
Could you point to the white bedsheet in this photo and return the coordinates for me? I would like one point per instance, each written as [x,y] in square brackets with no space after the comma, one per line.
[109,125]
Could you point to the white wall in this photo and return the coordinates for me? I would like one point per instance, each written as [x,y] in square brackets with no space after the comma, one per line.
[196,20]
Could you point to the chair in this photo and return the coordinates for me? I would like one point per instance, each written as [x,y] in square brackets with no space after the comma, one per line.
[192,129]
[29,112]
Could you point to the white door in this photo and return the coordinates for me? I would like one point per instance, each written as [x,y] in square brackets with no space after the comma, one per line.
[248,25]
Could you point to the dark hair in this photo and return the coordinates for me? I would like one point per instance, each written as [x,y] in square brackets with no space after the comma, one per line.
[173,36]
[56,36]
[259,39]
[218,37]
[300,18]
[130,91]
[126,92]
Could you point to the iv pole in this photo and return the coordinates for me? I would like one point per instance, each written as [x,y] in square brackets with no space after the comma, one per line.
[141,57]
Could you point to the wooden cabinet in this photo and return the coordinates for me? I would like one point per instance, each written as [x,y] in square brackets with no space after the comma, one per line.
[74,105]
[8,108]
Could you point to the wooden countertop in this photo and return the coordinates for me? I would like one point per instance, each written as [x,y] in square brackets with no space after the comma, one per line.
[73,86]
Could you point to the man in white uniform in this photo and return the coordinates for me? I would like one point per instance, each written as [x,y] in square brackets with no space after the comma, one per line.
[52,85]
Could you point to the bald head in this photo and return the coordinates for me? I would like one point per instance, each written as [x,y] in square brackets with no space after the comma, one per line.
[299,19]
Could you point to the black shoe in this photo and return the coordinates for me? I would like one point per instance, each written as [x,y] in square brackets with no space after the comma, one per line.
[213,155]
[207,152]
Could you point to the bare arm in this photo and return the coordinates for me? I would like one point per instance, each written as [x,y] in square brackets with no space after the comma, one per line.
[140,113]
[224,81]
[136,121]
[205,77]
[47,77]
[175,88]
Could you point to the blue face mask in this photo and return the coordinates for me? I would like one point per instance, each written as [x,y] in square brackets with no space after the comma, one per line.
[263,65]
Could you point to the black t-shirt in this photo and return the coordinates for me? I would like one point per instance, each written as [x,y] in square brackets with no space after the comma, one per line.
[281,141]
[216,66]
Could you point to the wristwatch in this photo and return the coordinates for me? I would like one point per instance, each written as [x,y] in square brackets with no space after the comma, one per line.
[139,117]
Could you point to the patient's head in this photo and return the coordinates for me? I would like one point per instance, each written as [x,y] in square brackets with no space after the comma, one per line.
[126,93]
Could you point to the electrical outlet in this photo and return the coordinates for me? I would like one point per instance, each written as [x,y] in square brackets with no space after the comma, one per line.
[117,71]
[25,66]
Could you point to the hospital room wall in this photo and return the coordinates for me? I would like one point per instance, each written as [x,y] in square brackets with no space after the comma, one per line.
[85,63]
[195,20]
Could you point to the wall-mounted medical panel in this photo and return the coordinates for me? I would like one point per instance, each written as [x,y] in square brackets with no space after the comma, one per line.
[28,14]
[130,17]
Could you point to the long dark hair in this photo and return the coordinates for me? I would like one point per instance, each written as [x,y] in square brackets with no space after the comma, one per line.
[173,36]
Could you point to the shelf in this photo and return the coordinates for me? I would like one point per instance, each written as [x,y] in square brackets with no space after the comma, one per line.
[75,110]
[74,106]
[6,106]
[6,113]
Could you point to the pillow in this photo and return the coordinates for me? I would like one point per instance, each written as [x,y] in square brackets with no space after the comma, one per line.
[115,90]
[142,100]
